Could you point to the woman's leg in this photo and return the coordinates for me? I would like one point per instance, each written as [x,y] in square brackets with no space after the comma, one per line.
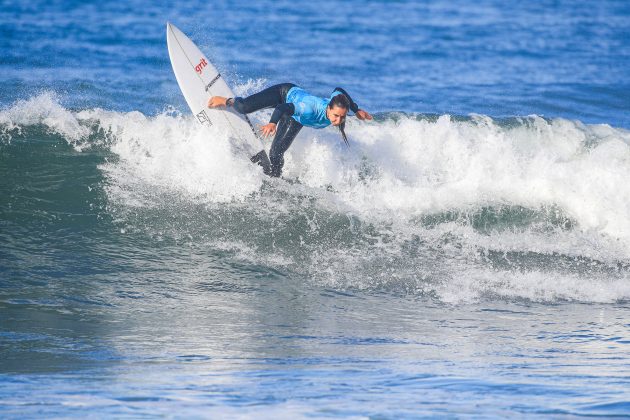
[267,98]
[287,129]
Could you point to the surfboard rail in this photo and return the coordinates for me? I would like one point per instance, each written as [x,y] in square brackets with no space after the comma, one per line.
[199,79]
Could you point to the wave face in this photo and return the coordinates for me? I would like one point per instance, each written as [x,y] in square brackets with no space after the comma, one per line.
[457,209]
[441,264]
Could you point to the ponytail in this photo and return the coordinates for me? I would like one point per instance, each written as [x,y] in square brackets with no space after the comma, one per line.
[342,128]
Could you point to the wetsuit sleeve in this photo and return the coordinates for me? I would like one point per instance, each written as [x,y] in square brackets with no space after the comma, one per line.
[281,110]
[353,106]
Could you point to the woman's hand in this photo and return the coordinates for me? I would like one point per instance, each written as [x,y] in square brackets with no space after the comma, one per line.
[363,115]
[268,130]
[217,102]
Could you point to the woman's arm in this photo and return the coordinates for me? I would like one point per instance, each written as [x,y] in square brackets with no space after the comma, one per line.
[353,106]
[361,114]
[279,112]
[282,109]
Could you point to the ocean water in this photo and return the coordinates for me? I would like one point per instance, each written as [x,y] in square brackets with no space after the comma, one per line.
[467,257]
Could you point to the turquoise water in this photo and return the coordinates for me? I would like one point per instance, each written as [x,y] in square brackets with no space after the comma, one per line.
[467,256]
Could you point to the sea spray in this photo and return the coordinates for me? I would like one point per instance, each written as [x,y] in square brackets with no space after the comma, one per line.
[459,208]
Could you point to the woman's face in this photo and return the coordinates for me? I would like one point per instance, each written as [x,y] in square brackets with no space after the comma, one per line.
[336,114]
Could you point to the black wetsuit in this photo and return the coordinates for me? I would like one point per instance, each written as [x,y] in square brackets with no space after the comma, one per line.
[287,124]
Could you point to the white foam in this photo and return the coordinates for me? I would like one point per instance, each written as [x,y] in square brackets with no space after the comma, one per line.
[395,172]
[175,153]
[42,109]
[533,285]
[428,167]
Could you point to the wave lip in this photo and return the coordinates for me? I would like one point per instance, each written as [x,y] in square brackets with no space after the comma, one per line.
[44,110]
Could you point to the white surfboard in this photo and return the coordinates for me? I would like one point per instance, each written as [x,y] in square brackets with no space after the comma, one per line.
[198,80]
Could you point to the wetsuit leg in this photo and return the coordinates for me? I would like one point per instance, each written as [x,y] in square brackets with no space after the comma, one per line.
[287,129]
[266,98]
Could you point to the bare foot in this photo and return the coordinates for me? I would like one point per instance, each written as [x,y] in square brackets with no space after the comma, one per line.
[217,102]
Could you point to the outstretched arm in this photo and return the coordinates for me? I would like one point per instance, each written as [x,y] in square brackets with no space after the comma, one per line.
[267,129]
[361,114]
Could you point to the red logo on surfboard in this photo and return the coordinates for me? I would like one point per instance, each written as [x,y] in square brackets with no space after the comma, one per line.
[199,67]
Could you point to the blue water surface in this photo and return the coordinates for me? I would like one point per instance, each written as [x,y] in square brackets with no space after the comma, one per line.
[467,257]
[554,58]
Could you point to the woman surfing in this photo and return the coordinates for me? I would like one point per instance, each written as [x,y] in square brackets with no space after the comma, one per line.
[294,109]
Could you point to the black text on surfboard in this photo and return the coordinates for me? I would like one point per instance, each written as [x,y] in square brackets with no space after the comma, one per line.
[209,85]
[203,118]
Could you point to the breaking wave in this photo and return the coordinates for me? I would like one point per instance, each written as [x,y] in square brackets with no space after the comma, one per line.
[455,208]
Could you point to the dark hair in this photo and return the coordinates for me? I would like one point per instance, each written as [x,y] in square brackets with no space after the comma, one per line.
[341,101]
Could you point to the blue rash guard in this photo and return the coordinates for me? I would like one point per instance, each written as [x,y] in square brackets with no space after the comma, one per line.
[307,109]
[310,110]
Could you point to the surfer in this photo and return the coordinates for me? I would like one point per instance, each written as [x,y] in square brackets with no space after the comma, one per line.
[294,109]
